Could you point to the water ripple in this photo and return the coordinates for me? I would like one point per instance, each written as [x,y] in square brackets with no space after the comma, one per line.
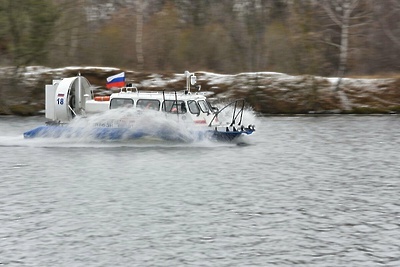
[308,191]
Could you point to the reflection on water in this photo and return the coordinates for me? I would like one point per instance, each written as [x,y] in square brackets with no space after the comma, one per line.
[313,191]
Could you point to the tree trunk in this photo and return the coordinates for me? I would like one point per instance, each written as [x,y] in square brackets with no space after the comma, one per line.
[344,40]
[139,36]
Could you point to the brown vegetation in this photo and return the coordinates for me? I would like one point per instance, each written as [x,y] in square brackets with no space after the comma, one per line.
[266,93]
[305,38]
[327,38]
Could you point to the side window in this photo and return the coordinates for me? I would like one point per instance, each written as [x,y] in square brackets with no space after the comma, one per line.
[174,107]
[193,107]
[148,104]
[213,109]
[203,106]
[121,103]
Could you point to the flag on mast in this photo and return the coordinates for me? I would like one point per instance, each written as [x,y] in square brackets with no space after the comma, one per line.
[117,80]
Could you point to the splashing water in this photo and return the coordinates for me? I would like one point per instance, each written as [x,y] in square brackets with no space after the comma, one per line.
[124,124]
[140,126]
[226,116]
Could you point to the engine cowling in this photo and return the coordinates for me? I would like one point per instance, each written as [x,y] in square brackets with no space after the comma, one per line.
[70,97]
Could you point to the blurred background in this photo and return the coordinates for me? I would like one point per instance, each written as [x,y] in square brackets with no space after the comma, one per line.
[328,38]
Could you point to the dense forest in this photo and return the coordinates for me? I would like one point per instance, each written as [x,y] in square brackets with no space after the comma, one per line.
[318,37]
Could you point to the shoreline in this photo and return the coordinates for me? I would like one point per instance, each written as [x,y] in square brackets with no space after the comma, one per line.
[267,93]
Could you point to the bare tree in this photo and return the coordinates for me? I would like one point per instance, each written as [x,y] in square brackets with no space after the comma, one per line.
[140,6]
[345,14]
[387,16]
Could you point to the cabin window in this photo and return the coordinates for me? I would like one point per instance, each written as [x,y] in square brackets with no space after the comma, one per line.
[148,104]
[211,107]
[121,103]
[174,107]
[203,106]
[193,107]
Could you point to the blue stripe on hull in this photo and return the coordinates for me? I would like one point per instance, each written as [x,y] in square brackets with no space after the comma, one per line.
[128,134]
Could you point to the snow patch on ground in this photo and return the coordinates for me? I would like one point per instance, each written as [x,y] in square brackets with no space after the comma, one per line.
[266,88]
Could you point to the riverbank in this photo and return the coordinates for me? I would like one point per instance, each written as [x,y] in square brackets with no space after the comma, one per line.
[265,92]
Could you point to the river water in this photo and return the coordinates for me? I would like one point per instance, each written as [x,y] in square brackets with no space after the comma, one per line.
[307,191]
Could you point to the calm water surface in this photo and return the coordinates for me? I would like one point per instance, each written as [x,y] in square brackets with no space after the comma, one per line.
[306,191]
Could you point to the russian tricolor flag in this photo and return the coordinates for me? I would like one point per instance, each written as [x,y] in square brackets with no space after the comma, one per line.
[117,80]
